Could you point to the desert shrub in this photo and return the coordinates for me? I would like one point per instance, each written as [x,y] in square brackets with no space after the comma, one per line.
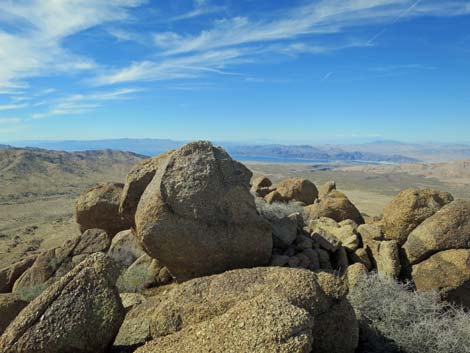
[30,293]
[394,318]
[277,210]
[134,279]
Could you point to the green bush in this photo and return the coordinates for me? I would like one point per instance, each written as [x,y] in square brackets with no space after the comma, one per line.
[134,279]
[394,318]
[277,210]
[30,293]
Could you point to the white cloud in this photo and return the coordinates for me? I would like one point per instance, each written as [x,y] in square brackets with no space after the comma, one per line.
[84,103]
[238,40]
[10,120]
[201,8]
[12,106]
[36,47]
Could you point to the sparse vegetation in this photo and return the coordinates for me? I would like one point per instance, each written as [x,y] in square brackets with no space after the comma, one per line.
[277,209]
[394,318]
[133,279]
[30,293]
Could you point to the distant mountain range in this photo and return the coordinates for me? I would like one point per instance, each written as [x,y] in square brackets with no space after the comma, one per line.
[272,152]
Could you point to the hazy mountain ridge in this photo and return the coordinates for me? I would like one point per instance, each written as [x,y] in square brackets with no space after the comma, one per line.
[150,147]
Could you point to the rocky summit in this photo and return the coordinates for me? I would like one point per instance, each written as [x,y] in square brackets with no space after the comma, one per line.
[193,254]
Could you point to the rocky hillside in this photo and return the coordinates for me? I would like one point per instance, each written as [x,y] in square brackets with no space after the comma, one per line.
[457,172]
[192,255]
[37,172]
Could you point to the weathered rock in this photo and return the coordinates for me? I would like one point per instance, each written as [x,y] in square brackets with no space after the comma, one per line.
[82,312]
[273,196]
[204,299]
[370,233]
[160,273]
[125,248]
[198,217]
[284,231]
[135,329]
[99,208]
[52,264]
[10,274]
[324,259]
[447,271]
[10,307]
[279,260]
[361,256]
[261,186]
[409,208]
[131,300]
[449,228]
[341,261]
[136,182]
[261,324]
[388,259]
[313,257]
[345,233]
[297,189]
[326,188]
[354,274]
[334,205]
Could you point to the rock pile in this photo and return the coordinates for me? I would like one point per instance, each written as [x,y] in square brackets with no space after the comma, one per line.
[82,312]
[259,268]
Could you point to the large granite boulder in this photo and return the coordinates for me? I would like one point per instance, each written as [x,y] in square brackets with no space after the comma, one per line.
[235,298]
[136,182]
[409,209]
[334,205]
[98,207]
[54,263]
[198,217]
[125,248]
[80,313]
[449,228]
[297,189]
[10,307]
[447,271]
[10,274]
[261,324]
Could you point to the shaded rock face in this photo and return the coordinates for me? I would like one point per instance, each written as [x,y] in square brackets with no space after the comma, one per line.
[236,298]
[335,205]
[261,324]
[326,188]
[10,274]
[10,307]
[125,248]
[99,208]
[449,228]
[198,217]
[447,271]
[409,209]
[297,189]
[136,182]
[80,313]
[52,264]
[261,186]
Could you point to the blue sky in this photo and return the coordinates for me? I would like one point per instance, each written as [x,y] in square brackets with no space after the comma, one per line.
[242,70]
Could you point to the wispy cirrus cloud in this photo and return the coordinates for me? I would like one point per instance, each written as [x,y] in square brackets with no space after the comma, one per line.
[83,103]
[12,106]
[35,46]
[392,68]
[201,8]
[231,41]
[10,120]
